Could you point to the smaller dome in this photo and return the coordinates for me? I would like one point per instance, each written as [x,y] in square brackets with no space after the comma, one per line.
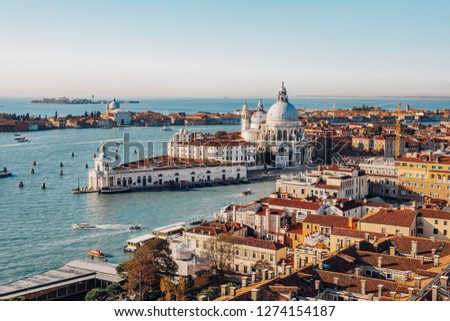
[258,117]
[113,105]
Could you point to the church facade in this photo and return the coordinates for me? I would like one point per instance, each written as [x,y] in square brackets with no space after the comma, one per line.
[276,133]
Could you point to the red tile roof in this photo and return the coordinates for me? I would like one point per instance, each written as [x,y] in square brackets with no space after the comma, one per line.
[404,218]
[253,242]
[437,214]
[338,231]
[295,203]
[328,220]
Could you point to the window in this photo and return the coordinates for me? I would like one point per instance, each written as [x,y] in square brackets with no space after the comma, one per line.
[445,222]
[245,269]
[367,272]
[445,232]
[420,231]
[271,258]
[383,230]
[262,256]
[435,231]
[436,222]
[254,255]
[237,268]
[389,276]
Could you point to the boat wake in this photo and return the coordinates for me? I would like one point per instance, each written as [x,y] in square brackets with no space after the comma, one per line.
[113,227]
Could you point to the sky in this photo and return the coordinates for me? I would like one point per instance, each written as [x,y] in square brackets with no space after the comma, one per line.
[223,48]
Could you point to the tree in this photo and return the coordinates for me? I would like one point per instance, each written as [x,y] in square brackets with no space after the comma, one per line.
[113,289]
[173,290]
[96,294]
[213,292]
[221,253]
[147,266]
[220,134]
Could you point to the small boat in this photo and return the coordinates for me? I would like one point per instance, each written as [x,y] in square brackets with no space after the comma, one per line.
[16,135]
[96,253]
[21,139]
[135,227]
[198,222]
[247,192]
[5,173]
[107,190]
[83,226]
[166,129]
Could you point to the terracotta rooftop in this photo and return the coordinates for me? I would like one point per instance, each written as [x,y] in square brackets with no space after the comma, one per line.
[424,245]
[436,214]
[396,217]
[328,220]
[295,203]
[253,242]
[338,231]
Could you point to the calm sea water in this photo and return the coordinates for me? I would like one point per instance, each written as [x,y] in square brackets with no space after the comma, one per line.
[23,105]
[35,225]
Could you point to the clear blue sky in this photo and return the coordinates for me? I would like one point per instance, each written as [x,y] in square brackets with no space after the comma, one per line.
[224,48]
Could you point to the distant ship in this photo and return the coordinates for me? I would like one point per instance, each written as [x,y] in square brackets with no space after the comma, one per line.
[166,129]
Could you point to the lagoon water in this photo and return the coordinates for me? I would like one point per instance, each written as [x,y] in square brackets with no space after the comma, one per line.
[35,224]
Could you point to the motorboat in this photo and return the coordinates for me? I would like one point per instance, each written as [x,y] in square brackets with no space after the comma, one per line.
[21,139]
[107,190]
[83,226]
[135,227]
[5,173]
[166,129]
[247,192]
[96,253]
[198,222]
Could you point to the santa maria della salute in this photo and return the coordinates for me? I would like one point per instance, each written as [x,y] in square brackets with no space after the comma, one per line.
[275,133]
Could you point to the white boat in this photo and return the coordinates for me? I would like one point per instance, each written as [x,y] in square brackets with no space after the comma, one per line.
[21,139]
[168,230]
[135,243]
[166,129]
[83,226]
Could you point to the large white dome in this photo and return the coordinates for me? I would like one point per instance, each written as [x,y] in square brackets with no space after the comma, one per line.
[282,111]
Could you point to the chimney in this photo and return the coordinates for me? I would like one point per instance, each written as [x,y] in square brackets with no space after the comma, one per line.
[443,281]
[418,282]
[288,269]
[317,285]
[255,294]
[223,290]
[320,264]
[357,271]
[436,260]
[271,274]
[380,290]
[233,291]
[392,293]
[375,247]
[358,244]
[370,297]
[313,260]
[433,238]
[410,292]
[366,237]
[380,261]
[244,281]
[336,281]
[392,250]
[319,255]
[264,274]
[253,277]
[283,267]
[433,252]
[434,293]
[413,249]
[201,298]
[400,234]
[363,287]
[303,261]
[338,246]
[350,222]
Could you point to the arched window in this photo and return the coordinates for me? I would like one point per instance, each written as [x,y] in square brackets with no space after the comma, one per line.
[130,181]
[139,180]
[119,182]
[208,172]
[279,135]
[149,179]
[176,174]
[224,170]
[160,175]
[124,181]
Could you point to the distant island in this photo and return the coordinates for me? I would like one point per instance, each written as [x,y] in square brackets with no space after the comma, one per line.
[77,101]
